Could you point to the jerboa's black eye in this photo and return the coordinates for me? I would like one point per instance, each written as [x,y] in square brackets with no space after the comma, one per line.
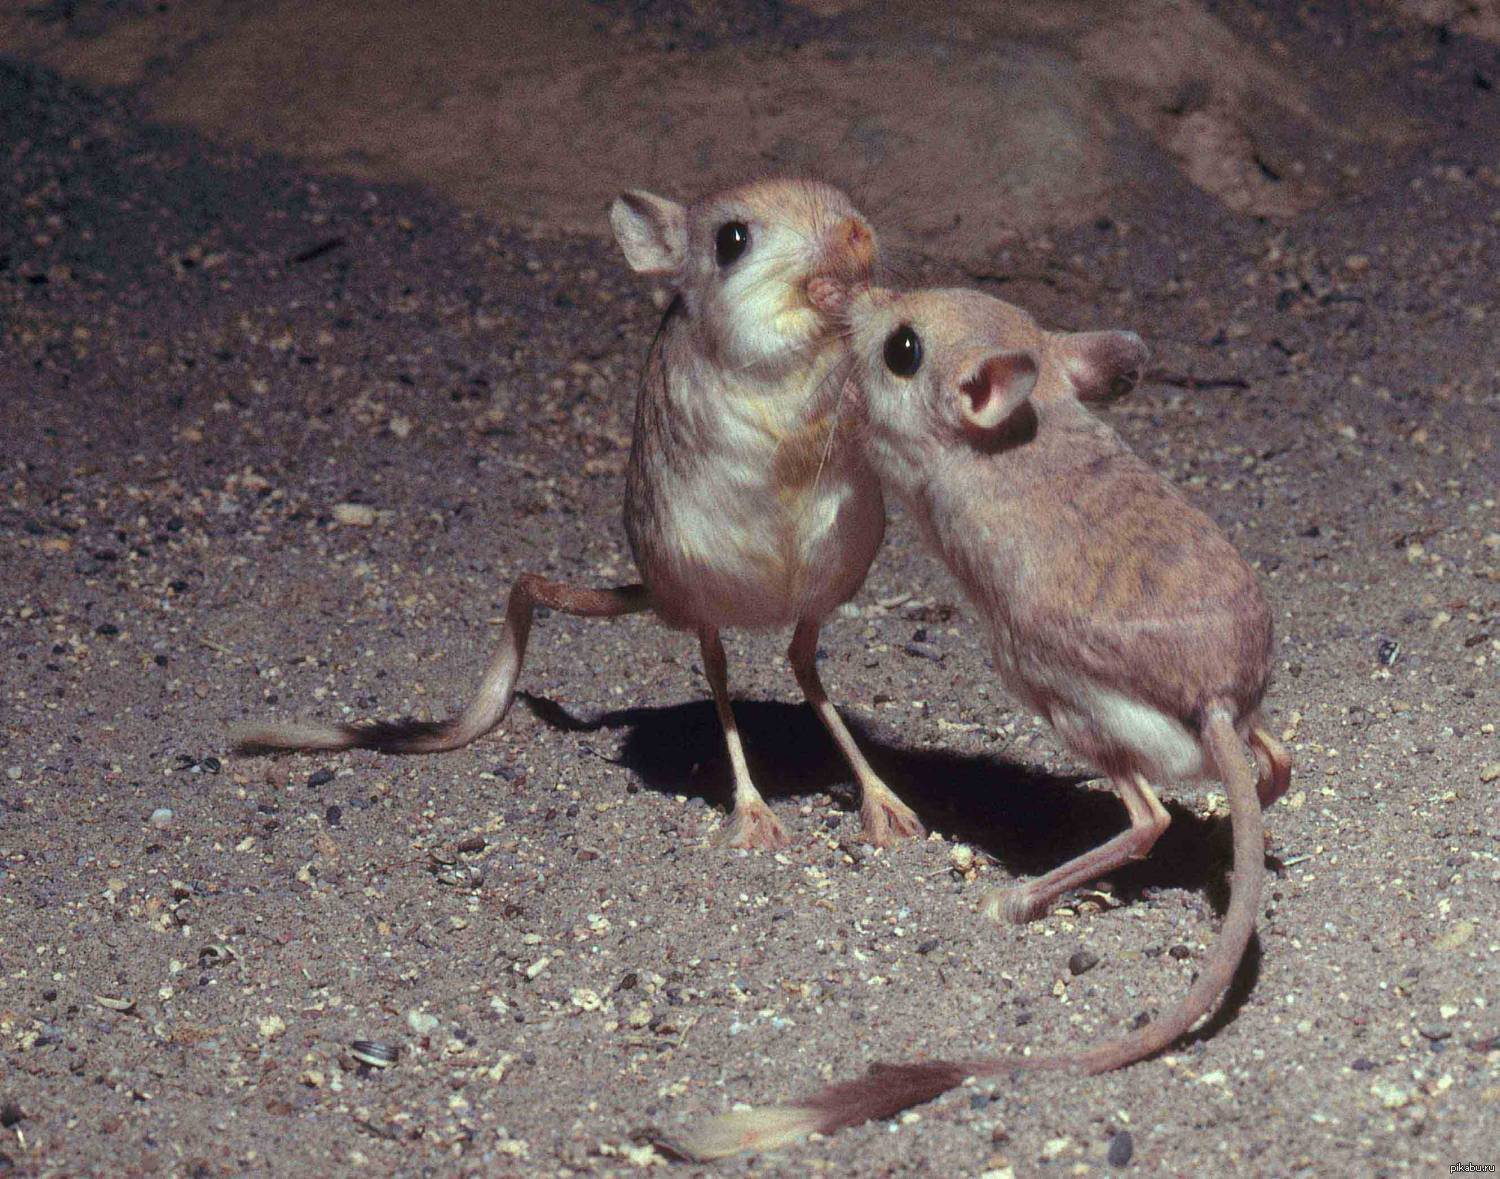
[903,351]
[732,240]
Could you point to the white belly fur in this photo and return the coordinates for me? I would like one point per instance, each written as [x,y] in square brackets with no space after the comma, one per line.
[763,511]
[741,550]
[1162,746]
[1102,725]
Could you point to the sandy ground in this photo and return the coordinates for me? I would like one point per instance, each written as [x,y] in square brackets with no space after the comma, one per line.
[276,442]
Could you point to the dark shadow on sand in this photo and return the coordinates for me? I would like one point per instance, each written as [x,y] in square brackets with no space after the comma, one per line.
[1027,819]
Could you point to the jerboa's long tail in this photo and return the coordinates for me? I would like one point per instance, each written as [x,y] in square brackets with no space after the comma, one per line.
[887,1089]
[489,705]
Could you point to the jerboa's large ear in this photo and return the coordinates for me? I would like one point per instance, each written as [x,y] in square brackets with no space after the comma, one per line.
[651,230]
[1102,366]
[997,389]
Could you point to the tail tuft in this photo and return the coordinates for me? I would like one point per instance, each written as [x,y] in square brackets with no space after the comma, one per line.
[884,1091]
[766,1128]
[252,740]
[407,735]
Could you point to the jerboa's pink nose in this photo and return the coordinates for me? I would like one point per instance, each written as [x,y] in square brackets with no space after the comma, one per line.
[851,246]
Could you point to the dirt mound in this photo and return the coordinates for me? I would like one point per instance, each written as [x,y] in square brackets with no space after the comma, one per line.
[964,126]
[1473,18]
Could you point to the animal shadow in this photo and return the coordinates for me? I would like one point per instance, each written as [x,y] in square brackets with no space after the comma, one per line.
[1029,820]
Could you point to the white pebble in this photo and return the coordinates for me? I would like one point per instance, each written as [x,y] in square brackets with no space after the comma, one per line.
[1391,1095]
[162,817]
[354,515]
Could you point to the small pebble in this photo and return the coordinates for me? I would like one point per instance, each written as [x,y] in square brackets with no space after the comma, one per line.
[214,955]
[461,876]
[320,777]
[374,1053]
[354,515]
[1121,1148]
[161,817]
[1082,961]
[1390,1094]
